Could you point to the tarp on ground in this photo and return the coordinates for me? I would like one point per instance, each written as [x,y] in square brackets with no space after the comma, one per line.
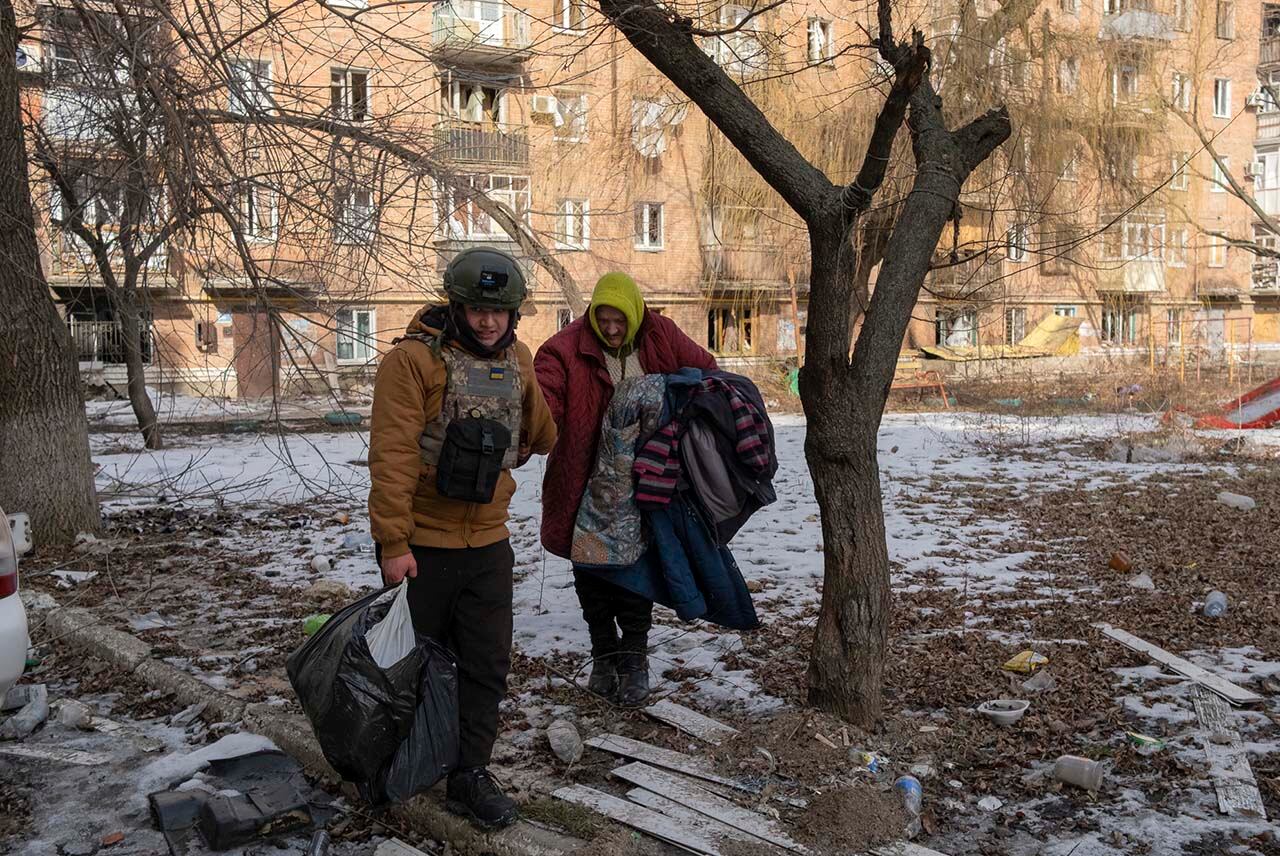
[1054,336]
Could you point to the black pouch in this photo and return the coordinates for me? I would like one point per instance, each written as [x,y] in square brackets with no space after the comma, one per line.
[471,459]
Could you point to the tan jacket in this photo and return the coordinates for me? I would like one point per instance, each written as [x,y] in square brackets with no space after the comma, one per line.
[404,507]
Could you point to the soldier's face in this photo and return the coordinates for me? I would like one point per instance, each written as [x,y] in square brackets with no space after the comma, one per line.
[613,326]
[489,325]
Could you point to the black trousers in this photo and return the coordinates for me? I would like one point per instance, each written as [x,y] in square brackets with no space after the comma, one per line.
[462,599]
[608,609]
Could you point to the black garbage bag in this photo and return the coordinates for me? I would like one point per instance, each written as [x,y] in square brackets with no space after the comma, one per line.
[393,732]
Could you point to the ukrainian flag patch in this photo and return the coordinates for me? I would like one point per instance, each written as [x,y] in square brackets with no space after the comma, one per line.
[498,373]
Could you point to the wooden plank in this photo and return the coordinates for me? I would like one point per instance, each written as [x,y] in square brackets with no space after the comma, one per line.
[690,721]
[689,795]
[55,754]
[690,819]
[656,756]
[638,817]
[1206,679]
[904,848]
[1229,767]
[396,847]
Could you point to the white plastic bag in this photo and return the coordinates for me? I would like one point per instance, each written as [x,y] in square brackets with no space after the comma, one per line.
[392,639]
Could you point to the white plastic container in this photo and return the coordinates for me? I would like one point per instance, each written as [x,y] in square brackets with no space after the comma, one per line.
[1081,772]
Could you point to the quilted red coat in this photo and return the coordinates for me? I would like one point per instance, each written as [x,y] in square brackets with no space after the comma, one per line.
[576,384]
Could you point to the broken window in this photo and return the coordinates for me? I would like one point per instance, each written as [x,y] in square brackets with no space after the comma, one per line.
[349,94]
[649,225]
[729,330]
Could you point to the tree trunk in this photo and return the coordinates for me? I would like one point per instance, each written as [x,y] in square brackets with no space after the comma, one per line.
[45,468]
[129,314]
[846,664]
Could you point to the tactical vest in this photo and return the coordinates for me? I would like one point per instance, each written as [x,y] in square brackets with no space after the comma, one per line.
[479,388]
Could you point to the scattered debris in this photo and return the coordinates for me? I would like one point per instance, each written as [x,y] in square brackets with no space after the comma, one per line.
[1224,688]
[1142,581]
[1041,682]
[1143,741]
[188,715]
[29,718]
[1237,501]
[1026,662]
[690,721]
[1004,711]
[565,741]
[824,740]
[870,762]
[113,839]
[664,758]
[1081,772]
[1121,562]
[21,695]
[922,771]
[328,591]
[1215,603]
[990,804]
[314,622]
[638,817]
[908,787]
[54,753]
[75,714]
[150,621]
[699,824]
[70,579]
[321,564]
[1229,766]
[396,847]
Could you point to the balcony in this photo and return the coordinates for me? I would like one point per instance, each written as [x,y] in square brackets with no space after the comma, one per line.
[981,276]
[1138,25]
[103,342]
[72,258]
[738,266]
[1265,279]
[1268,125]
[1134,113]
[480,31]
[471,142]
[1220,286]
[77,115]
[1139,276]
[1270,51]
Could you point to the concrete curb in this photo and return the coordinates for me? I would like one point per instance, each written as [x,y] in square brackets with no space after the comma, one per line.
[292,733]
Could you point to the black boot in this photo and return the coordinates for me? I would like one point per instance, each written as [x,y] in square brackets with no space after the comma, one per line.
[633,679]
[604,672]
[473,793]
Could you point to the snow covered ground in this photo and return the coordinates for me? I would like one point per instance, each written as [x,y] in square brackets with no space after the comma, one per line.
[940,536]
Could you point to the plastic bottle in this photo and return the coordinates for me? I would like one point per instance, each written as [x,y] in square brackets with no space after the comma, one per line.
[1215,604]
[912,793]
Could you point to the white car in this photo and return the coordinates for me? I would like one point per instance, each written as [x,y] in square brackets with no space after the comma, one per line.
[13,617]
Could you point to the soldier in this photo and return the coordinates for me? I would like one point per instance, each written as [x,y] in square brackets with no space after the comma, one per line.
[456,406]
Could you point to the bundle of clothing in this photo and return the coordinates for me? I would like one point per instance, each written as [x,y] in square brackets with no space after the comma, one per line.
[684,460]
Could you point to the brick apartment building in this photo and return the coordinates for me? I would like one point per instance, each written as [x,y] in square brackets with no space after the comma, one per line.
[544,111]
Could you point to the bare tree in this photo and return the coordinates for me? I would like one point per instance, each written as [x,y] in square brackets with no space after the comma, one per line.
[45,467]
[843,397]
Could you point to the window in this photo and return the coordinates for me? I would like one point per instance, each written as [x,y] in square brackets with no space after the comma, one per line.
[1220,166]
[1015,325]
[570,117]
[258,213]
[1222,98]
[575,225]
[821,48]
[1218,253]
[1068,75]
[474,102]
[1176,251]
[1266,89]
[571,14]
[649,226]
[354,216]
[1179,179]
[740,51]
[1111,7]
[347,4]
[462,219]
[1069,7]
[564,317]
[1226,19]
[957,329]
[249,86]
[1173,324]
[1120,323]
[1016,242]
[62,64]
[729,330]
[349,94]
[1182,15]
[1070,170]
[355,335]
[1064,311]
[1124,83]
[1181,91]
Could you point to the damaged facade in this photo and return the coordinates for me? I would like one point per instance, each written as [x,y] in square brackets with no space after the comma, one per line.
[611,169]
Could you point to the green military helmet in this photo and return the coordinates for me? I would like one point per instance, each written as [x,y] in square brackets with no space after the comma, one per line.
[483,276]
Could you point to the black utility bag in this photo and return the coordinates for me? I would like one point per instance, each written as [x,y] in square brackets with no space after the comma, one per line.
[471,459]
[393,732]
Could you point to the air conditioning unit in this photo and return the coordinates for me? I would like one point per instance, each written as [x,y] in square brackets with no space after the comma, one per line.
[1255,99]
[29,59]
[1255,170]
[544,105]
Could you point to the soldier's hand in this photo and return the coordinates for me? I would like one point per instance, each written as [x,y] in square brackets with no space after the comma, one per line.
[395,570]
